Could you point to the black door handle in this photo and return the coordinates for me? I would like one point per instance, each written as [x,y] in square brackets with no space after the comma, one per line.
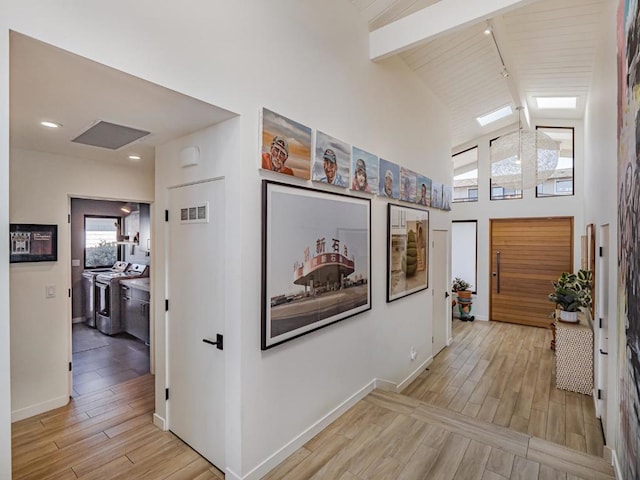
[602,352]
[446,294]
[219,343]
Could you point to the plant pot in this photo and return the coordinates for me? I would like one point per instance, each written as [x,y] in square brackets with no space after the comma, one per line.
[571,317]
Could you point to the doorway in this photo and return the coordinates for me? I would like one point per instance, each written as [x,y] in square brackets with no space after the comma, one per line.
[105,234]
[527,254]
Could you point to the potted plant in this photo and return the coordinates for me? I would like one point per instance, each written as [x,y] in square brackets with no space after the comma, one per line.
[571,292]
[463,295]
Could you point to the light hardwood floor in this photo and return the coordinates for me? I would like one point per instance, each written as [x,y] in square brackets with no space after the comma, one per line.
[505,374]
[108,433]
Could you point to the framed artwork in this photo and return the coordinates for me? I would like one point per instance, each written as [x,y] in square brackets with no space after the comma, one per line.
[389,179]
[446,197]
[423,191]
[407,252]
[407,185]
[332,160]
[436,194]
[316,260]
[286,145]
[364,171]
[33,243]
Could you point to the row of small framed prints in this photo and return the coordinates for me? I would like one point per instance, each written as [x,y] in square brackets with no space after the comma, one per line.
[287,149]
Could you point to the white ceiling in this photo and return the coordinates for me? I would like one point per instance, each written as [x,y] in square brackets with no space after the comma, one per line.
[548,46]
[52,84]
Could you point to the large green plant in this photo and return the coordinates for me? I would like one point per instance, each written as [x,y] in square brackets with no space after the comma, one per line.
[572,291]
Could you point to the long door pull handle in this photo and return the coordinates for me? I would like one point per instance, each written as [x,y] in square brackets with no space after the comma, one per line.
[602,352]
[498,264]
[219,343]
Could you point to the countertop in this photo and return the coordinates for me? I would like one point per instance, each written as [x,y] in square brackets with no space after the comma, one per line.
[139,283]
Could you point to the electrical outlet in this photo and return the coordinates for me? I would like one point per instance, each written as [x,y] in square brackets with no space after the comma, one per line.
[413,354]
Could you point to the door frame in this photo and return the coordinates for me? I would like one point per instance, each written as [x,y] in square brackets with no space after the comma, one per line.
[446,276]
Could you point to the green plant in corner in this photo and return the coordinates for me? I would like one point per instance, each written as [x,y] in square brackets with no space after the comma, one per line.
[459,285]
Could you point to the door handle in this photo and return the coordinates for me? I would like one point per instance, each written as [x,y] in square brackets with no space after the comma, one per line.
[446,294]
[498,273]
[602,352]
[219,343]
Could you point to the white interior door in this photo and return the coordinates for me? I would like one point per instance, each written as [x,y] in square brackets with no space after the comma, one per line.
[441,313]
[602,324]
[196,313]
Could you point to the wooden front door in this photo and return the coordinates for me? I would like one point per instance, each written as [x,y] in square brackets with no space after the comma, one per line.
[527,254]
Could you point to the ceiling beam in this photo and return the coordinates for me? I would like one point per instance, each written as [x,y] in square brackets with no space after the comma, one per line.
[430,22]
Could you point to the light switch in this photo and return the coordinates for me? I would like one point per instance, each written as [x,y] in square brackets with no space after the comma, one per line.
[75,262]
[51,291]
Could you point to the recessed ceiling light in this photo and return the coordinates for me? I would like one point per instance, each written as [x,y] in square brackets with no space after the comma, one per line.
[495,115]
[135,157]
[50,124]
[556,102]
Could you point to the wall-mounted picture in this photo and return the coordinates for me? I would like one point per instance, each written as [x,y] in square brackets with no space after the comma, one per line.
[389,179]
[332,158]
[364,171]
[436,194]
[423,191]
[407,253]
[316,260]
[286,145]
[446,197]
[33,243]
[407,185]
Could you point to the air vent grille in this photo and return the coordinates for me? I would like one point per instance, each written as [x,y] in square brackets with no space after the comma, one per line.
[109,135]
[195,214]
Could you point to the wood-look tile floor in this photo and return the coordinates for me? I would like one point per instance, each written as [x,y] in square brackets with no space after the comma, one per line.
[504,374]
[393,436]
[105,434]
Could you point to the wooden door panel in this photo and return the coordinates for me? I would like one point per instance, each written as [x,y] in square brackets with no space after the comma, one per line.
[533,252]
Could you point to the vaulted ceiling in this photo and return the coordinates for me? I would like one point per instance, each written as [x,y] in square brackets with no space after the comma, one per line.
[549,48]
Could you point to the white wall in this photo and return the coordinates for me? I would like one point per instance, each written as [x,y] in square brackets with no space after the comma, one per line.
[41,185]
[529,206]
[309,61]
[601,203]
[5,373]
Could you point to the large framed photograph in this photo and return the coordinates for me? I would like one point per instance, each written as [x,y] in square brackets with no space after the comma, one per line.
[33,243]
[407,252]
[316,260]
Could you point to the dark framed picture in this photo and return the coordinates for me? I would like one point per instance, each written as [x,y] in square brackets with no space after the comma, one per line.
[33,243]
[316,260]
[407,252]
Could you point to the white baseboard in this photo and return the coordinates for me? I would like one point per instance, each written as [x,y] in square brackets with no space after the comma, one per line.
[421,368]
[385,385]
[32,410]
[231,475]
[274,460]
[77,320]
[482,318]
[616,466]
[160,422]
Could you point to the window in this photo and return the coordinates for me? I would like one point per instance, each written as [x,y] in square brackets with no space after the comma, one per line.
[465,176]
[560,181]
[506,177]
[100,241]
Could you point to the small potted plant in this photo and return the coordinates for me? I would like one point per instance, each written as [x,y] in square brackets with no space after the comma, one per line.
[463,295]
[571,292]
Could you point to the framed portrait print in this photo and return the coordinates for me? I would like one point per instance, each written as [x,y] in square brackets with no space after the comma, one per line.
[407,252]
[33,243]
[285,145]
[316,260]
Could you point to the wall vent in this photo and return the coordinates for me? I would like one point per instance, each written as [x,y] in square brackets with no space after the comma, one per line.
[195,214]
[109,135]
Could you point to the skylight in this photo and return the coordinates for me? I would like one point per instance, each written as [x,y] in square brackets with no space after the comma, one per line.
[556,102]
[495,115]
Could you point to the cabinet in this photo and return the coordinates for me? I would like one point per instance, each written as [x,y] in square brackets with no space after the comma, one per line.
[134,310]
[574,357]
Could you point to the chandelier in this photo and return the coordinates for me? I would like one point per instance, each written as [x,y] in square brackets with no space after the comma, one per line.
[522,160]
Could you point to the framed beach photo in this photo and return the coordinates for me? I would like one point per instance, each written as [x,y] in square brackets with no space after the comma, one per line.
[286,145]
[316,260]
[407,252]
[33,243]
